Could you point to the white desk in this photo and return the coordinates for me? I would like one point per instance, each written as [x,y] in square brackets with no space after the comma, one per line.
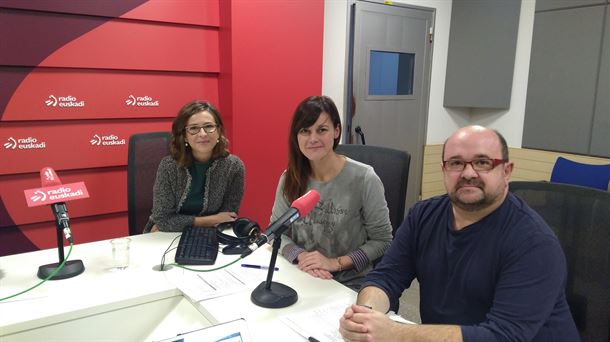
[138,304]
[312,292]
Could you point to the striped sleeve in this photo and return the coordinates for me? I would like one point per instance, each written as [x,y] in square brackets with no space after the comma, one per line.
[359,259]
[291,252]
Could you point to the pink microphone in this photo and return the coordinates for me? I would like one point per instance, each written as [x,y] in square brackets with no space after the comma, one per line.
[54,193]
[300,207]
[48,177]
[306,203]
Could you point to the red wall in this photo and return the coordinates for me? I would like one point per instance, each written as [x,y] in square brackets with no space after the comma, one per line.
[275,61]
[256,59]
[68,71]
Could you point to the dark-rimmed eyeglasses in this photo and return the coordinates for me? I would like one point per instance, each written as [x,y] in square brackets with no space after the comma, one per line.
[194,130]
[478,164]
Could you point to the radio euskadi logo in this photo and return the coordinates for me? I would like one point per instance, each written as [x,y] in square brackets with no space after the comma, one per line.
[64,101]
[28,143]
[38,196]
[106,140]
[141,101]
[56,194]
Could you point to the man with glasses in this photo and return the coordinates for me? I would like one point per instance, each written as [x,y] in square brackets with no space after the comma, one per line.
[489,267]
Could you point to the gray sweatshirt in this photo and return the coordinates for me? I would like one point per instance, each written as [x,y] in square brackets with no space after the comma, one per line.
[351,218]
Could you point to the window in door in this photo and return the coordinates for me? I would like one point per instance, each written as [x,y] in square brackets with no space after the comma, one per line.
[391,73]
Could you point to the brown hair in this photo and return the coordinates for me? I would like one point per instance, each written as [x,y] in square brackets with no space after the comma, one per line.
[183,154]
[305,115]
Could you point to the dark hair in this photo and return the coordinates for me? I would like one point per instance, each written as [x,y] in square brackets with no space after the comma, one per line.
[503,145]
[183,154]
[305,115]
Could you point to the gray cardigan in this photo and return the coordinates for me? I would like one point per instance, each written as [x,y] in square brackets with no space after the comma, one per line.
[224,189]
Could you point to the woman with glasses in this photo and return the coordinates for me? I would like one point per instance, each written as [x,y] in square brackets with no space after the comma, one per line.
[200,183]
[350,226]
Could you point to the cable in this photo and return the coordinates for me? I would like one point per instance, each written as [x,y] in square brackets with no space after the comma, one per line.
[59,267]
[169,249]
[209,270]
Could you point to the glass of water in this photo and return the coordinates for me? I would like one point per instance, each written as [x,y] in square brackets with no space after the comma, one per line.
[120,252]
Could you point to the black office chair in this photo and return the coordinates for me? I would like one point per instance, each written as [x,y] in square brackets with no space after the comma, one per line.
[145,152]
[392,167]
[580,217]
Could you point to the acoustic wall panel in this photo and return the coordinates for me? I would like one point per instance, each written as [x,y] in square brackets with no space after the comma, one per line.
[111,8]
[204,12]
[563,76]
[71,145]
[102,43]
[481,53]
[185,12]
[545,5]
[78,78]
[103,186]
[67,94]
[600,132]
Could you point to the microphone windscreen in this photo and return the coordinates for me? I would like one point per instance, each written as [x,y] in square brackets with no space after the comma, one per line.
[306,203]
[48,177]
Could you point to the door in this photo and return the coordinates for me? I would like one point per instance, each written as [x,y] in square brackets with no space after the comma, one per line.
[389,81]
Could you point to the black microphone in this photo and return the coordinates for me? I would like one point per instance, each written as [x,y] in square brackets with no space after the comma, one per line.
[299,208]
[359,131]
[48,177]
[61,216]
[54,193]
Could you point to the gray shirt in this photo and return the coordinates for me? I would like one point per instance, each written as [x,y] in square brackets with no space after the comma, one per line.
[223,191]
[351,215]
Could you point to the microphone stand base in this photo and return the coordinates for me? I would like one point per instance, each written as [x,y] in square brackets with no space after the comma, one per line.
[277,296]
[164,267]
[71,268]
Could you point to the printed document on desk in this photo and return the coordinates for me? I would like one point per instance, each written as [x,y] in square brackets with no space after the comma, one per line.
[205,285]
[321,323]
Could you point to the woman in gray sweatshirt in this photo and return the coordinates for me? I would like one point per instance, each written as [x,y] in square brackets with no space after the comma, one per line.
[350,226]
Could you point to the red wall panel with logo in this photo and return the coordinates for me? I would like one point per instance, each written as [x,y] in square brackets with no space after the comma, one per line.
[79,77]
[103,94]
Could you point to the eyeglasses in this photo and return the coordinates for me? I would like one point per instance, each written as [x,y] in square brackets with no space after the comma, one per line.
[478,164]
[194,130]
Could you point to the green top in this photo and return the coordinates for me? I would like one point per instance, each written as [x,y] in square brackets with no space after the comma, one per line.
[194,201]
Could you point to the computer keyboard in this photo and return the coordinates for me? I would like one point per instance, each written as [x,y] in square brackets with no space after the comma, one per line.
[197,246]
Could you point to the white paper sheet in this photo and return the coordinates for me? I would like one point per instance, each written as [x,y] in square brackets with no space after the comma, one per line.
[205,285]
[321,323]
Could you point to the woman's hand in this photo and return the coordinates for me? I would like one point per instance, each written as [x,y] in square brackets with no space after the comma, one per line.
[225,216]
[316,261]
[216,219]
[320,273]
[154,228]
